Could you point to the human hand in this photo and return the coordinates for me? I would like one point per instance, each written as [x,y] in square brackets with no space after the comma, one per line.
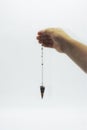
[54,38]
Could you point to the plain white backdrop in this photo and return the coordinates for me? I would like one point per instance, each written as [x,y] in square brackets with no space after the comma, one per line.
[64,105]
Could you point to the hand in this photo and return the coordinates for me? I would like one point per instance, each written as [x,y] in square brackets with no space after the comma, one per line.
[53,38]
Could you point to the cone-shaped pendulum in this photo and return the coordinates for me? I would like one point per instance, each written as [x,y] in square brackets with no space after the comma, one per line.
[42,88]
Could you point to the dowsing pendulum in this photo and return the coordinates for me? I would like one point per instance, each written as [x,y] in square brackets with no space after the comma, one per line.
[42,88]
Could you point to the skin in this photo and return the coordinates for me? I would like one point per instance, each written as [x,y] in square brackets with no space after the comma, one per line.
[57,39]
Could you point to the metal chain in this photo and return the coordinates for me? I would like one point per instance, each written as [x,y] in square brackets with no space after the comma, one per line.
[42,63]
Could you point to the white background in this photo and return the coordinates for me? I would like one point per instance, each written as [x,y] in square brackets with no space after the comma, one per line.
[64,105]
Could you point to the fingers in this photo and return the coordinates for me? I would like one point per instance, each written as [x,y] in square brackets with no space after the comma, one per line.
[40,32]
[45,39]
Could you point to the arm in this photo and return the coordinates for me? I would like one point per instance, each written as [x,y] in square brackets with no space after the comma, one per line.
[77,52]
[59,40]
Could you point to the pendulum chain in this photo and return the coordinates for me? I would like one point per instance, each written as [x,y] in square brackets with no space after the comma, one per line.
[42,64]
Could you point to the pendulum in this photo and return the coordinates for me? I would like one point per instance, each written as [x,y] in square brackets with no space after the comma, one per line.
[42,88]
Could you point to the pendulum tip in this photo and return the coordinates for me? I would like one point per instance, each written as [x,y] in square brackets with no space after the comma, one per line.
[42,89]
[42,95]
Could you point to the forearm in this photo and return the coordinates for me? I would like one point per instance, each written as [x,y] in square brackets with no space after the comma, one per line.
[77,52]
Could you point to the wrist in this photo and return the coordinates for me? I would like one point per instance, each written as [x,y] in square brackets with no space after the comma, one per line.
[63,46]
[67,45]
